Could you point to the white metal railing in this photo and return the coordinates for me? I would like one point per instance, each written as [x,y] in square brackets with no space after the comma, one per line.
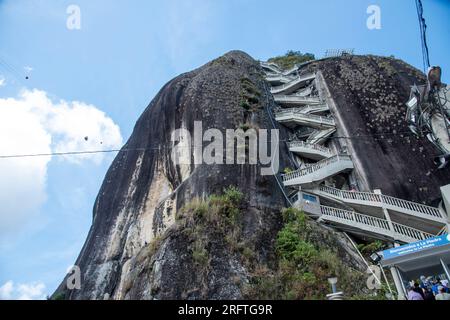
[296,113]
[278,77]
[314,108]
[390,202]
[355,217]
[291,70]
[314,167]
[275,66]
[317,136]
[304,93]
[270,64]
[294,82]
[302,144]
[374,224]
[295,99]
[411,232]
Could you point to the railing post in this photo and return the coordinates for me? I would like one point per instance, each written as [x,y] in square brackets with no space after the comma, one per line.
[398,280]
[387,216]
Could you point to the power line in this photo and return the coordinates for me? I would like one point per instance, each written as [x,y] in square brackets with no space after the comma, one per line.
[74,153]
[13,71]
[423,36]
[50,154]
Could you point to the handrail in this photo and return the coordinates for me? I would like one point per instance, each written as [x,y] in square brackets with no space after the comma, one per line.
[355,217]
[374,222]
[314,167]
[294,82]
[297,112]
[302,144]
[304,93]
[291,70]
[274,65]
[294,98]
[320,134]
[387,200]
[270,64]
[314,108]
[411,232]
[279,77]
[409,205]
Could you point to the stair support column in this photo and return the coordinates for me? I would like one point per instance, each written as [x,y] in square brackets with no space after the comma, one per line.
[387,216]
[398,281]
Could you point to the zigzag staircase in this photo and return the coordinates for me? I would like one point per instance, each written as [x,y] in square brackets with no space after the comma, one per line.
[381,216]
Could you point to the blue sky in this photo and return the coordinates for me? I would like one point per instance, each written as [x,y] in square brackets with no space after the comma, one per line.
[108,72]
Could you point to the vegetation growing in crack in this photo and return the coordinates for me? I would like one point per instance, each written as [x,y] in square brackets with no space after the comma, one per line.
[288,170]
[291,58]
[304,265]
[215,214]
[250,96]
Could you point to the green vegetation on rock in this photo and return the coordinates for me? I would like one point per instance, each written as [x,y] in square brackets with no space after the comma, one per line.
[249,95]
[304,265]
[291,58]
[217,213]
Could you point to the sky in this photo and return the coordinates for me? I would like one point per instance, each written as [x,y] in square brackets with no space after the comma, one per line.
[64,89]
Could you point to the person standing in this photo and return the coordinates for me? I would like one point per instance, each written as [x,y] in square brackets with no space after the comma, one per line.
[428,294]
[442,295]
[413,295]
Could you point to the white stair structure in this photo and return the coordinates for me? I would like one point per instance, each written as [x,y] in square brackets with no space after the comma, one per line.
[296,100]
[305,92]
[277,79]
[314,109]
[271,67]
[291,70]
[294,85]
[371,226]
[309,150]
[382,217]
[320,136]
[379,201]
[316,173]
[294,117]
[417,215]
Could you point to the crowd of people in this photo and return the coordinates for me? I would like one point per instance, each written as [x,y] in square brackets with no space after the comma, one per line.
[429,289]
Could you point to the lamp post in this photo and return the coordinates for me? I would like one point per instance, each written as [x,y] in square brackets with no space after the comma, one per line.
[335,295]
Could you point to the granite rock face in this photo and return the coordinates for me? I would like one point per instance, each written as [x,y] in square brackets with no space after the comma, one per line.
[135,250]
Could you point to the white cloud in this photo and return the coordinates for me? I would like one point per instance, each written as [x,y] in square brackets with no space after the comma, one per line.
[27,291]
[6,291]
[2,81]
[33,123]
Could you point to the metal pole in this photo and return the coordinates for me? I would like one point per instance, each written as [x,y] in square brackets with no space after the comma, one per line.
[398,283]
[385,279]
[386,213]
[447,271]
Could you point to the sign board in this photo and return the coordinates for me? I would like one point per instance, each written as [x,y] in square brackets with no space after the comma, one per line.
[416,247]
[309,203]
